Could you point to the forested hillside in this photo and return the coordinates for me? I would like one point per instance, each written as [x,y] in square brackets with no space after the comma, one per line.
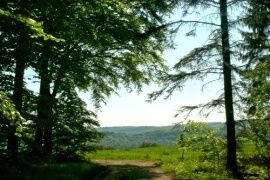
[136,136]
[127,137]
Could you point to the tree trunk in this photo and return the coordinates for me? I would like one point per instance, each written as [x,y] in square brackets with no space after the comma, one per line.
[20,58]
[45,104]
[36,149]
[231,142]
[48,145]
[43,107]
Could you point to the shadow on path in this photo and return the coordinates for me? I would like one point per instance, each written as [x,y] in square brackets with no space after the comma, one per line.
[129,170]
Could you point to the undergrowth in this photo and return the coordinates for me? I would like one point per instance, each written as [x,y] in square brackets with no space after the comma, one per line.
[192,166]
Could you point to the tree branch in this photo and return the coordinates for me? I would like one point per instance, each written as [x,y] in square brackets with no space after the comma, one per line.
[153,30]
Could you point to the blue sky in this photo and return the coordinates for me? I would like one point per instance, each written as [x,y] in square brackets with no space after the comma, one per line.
[131,109]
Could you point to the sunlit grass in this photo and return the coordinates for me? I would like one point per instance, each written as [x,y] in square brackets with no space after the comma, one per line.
[184,163]
[171,159]
[149,153]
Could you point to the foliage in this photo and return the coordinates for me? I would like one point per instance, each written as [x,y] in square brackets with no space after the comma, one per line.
[96,47]
[9,117]
[148,144]
[251,162]
[193,169]
[212,59]
[9,112]
[74,132]
[37,28]
[256,74]
[203,63]
[198,136]
[101,46]
[103,50]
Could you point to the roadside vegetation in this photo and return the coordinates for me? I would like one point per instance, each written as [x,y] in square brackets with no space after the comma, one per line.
[199,154]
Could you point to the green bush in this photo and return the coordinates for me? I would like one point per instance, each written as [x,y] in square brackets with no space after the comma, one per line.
[148,144]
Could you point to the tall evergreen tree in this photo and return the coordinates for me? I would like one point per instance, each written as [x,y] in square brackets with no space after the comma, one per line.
[256,55]
[211,58]
[228,93]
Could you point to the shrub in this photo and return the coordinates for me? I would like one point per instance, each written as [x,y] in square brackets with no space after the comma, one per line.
[148,144]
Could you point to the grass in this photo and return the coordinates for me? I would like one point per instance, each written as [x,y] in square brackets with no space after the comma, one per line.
[187,165]
[171,159]
[149,153]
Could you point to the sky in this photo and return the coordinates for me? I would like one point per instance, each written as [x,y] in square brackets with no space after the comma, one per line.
[131,109]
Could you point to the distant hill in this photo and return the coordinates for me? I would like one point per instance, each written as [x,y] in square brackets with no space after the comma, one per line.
[133,129]
[134,136]
[129,137]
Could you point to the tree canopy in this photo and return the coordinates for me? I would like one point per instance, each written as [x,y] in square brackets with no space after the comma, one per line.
[74,46]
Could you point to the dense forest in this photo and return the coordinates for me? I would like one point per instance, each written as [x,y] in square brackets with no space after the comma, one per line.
[100,46]
[124,137]
[132,137]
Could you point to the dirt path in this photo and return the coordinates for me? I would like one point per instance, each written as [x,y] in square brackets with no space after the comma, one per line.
[118,167]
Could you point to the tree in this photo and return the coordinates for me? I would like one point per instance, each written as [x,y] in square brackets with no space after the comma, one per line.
[7,9]
[198,136]
[229,111]
[100,47]
[255,52]
[101,51]
[213,59]
[9,117]
[15,29]
[15,25]
[74,130]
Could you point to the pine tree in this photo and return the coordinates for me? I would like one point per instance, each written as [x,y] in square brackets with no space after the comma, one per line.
[211,58]
[256,74]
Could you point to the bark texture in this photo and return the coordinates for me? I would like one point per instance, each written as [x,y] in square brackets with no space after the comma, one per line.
[227,71]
